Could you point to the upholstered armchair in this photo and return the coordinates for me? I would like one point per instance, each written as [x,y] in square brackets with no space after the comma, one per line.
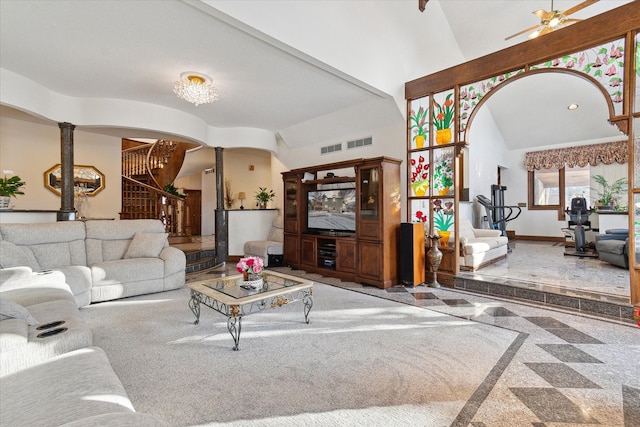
[270,249]
[612,247]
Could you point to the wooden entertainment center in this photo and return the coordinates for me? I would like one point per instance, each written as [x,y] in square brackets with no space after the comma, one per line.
[363,246]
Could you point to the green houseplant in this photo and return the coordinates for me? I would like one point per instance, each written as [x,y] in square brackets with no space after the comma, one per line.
[9,187]
[608,194]
[263,196]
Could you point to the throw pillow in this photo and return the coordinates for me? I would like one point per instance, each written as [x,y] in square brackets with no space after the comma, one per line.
[146,245]
[12,255]
[13,310]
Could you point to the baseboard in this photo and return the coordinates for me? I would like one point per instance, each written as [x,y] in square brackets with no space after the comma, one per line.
[539,238]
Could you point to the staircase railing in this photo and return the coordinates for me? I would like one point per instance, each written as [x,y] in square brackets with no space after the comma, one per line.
[142,201]
[142,195]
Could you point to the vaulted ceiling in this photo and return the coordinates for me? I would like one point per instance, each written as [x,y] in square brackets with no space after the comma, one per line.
[302,70]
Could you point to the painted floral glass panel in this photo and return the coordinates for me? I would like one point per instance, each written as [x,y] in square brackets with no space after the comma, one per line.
[419,178]
[420,211]
[442,171]
[419,123]
[443,115]
[444,220]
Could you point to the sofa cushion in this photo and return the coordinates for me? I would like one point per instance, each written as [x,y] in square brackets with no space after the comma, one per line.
[12,255]
[146,245]
[63,389]
[56,244]
[14,333]
[13,310]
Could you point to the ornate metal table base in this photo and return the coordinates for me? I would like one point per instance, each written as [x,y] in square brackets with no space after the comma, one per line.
[240,308]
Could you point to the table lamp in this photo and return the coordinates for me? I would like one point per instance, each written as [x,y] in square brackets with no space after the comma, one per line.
[242,195]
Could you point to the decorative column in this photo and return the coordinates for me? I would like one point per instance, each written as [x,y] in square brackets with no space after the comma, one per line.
[67,210]
[222,222]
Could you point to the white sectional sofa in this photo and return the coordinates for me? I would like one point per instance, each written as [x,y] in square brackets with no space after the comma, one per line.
[480,247]
[50,372]
[100,260]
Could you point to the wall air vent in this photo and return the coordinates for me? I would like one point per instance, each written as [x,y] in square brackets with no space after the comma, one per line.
[331,148]
[359,143]
[208,171]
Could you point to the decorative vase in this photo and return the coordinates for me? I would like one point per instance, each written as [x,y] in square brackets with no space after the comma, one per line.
[434,256]
[5,202]
[419,141]
[262,205]
[444,238]
[443,136]
[252,281]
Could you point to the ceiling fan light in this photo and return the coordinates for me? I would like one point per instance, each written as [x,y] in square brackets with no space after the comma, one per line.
[555,21]
[195,88]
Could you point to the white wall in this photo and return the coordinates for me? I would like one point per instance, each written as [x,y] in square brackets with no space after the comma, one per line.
[542,222]
[29,149]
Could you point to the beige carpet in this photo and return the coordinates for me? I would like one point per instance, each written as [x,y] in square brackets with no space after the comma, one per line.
[361,361]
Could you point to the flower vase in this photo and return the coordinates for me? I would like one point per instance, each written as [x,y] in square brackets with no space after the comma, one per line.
[419,141]
[443,136]
[443,191]
[434,256]
[252,281]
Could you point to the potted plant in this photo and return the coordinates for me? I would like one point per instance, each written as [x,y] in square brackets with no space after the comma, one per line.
[9,187]
[443,177]
[608,195]
[171,189]
[263,196]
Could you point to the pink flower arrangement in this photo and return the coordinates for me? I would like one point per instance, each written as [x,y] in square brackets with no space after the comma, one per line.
[251,265]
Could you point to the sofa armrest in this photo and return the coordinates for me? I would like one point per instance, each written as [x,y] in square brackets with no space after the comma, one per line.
[482,232]
[174,260]
[22,277]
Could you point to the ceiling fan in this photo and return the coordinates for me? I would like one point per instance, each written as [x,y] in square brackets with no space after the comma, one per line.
[551,21]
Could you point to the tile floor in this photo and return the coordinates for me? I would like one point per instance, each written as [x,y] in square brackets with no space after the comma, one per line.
[561,370]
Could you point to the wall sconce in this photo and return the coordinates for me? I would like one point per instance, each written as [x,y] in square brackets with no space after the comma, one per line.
[241,196]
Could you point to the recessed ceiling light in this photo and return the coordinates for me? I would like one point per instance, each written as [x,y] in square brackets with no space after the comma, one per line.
[573,106]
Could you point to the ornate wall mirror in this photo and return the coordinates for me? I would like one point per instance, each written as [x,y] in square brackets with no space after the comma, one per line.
[87,180]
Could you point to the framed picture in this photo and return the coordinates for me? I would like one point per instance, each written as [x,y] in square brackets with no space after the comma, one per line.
[87,180]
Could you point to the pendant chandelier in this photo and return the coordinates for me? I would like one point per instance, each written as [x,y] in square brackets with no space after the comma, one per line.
[195,88]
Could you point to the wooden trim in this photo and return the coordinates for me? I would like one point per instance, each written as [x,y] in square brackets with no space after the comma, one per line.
[575,38]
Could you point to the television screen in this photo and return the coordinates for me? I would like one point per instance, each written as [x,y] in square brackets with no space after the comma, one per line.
[332,210]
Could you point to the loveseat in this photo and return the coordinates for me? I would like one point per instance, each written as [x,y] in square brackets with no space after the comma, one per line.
[480,247]
[99,260]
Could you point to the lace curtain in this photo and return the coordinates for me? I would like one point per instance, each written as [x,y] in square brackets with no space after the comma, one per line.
[581,156]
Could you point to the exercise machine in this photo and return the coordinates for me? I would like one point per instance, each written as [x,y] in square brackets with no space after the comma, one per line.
[498,214]
[578,224]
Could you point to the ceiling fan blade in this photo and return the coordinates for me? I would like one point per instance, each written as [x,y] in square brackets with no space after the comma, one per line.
[578,7]
[521,32]
[542,14]
[571,21]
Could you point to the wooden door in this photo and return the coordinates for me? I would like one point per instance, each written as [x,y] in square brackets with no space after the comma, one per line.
[193,204]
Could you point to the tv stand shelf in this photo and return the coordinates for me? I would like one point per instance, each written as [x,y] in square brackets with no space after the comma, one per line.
[367,255]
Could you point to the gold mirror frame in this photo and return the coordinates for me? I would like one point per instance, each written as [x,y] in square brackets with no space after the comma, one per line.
[87,180]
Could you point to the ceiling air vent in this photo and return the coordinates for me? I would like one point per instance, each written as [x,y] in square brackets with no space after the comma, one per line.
[331,148]
[359,143]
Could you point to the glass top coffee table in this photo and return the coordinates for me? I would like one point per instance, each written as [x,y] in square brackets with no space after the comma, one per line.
[229,296]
